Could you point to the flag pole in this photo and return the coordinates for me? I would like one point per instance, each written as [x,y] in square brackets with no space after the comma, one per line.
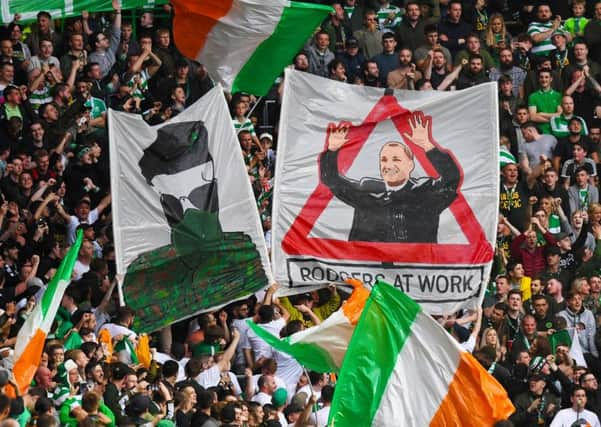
[312,392]
[254,106]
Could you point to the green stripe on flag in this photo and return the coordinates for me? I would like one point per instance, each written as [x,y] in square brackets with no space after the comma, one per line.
[63,273]
[278,50]
[382,330]
[309,355]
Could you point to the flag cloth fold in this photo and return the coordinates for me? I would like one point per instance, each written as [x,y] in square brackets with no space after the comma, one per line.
[245,44]
[32,336]
[403,368]
[322,347]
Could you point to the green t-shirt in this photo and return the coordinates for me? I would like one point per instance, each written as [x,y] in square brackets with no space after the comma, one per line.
[545,102]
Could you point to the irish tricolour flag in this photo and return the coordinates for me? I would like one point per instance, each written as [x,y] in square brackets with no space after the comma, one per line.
[403,369]
[32,336]
[322,348]
[244,43]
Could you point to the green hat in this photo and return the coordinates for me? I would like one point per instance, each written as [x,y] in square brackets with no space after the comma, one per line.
[279,398]
[204,348]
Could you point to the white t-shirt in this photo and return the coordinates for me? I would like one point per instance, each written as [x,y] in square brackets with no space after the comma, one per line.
[567,418]
[322,416]
[260,347]
[209,377]
[79,269]
[74,223]
[261,398]
[289,370]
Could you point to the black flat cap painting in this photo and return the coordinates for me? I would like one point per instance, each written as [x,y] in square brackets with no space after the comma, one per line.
[177,147]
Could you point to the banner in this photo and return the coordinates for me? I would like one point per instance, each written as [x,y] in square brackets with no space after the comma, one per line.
[28,9]
[396,187]
[186,226]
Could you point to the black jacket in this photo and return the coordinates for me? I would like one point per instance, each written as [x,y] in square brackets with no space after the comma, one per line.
[410,214]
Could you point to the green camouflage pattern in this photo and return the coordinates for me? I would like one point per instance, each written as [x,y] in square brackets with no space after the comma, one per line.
[203,268]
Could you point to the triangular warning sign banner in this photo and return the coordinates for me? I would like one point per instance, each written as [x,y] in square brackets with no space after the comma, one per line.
[298,241]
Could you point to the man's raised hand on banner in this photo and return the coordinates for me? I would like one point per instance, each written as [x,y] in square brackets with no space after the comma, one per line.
[421,131]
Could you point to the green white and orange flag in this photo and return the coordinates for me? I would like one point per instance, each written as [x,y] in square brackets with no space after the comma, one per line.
[322,348]
[403,368]
[245,44]
[32,336]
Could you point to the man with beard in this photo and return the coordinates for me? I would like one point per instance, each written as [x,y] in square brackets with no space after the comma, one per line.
[371,74]
[301,62]
[474,75]
[405,76]
[542,314]
[410,32]
[369,38]
[94,375]
[439,68]
[542,30]
[506,67]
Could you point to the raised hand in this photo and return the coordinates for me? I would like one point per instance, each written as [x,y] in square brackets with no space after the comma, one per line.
[338,135]
[421,129]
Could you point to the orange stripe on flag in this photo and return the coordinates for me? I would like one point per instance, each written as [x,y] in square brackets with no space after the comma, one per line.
[353,307]
[29,361]
[475,398]
[193,21]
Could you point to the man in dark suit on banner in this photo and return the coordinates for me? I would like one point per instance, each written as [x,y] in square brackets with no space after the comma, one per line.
[397,208]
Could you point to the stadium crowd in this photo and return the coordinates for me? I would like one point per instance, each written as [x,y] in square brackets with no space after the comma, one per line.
[57,80]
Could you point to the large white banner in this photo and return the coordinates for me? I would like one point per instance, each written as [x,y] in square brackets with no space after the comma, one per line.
[186,226]
[401,187]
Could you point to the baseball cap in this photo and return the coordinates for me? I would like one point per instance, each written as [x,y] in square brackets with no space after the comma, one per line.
[352,42]
[279,397]
[561,235]
[537,364]
[266,135]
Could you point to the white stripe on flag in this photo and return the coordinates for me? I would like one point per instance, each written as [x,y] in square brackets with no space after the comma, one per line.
[238,34]
[333,335]
[421,377]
